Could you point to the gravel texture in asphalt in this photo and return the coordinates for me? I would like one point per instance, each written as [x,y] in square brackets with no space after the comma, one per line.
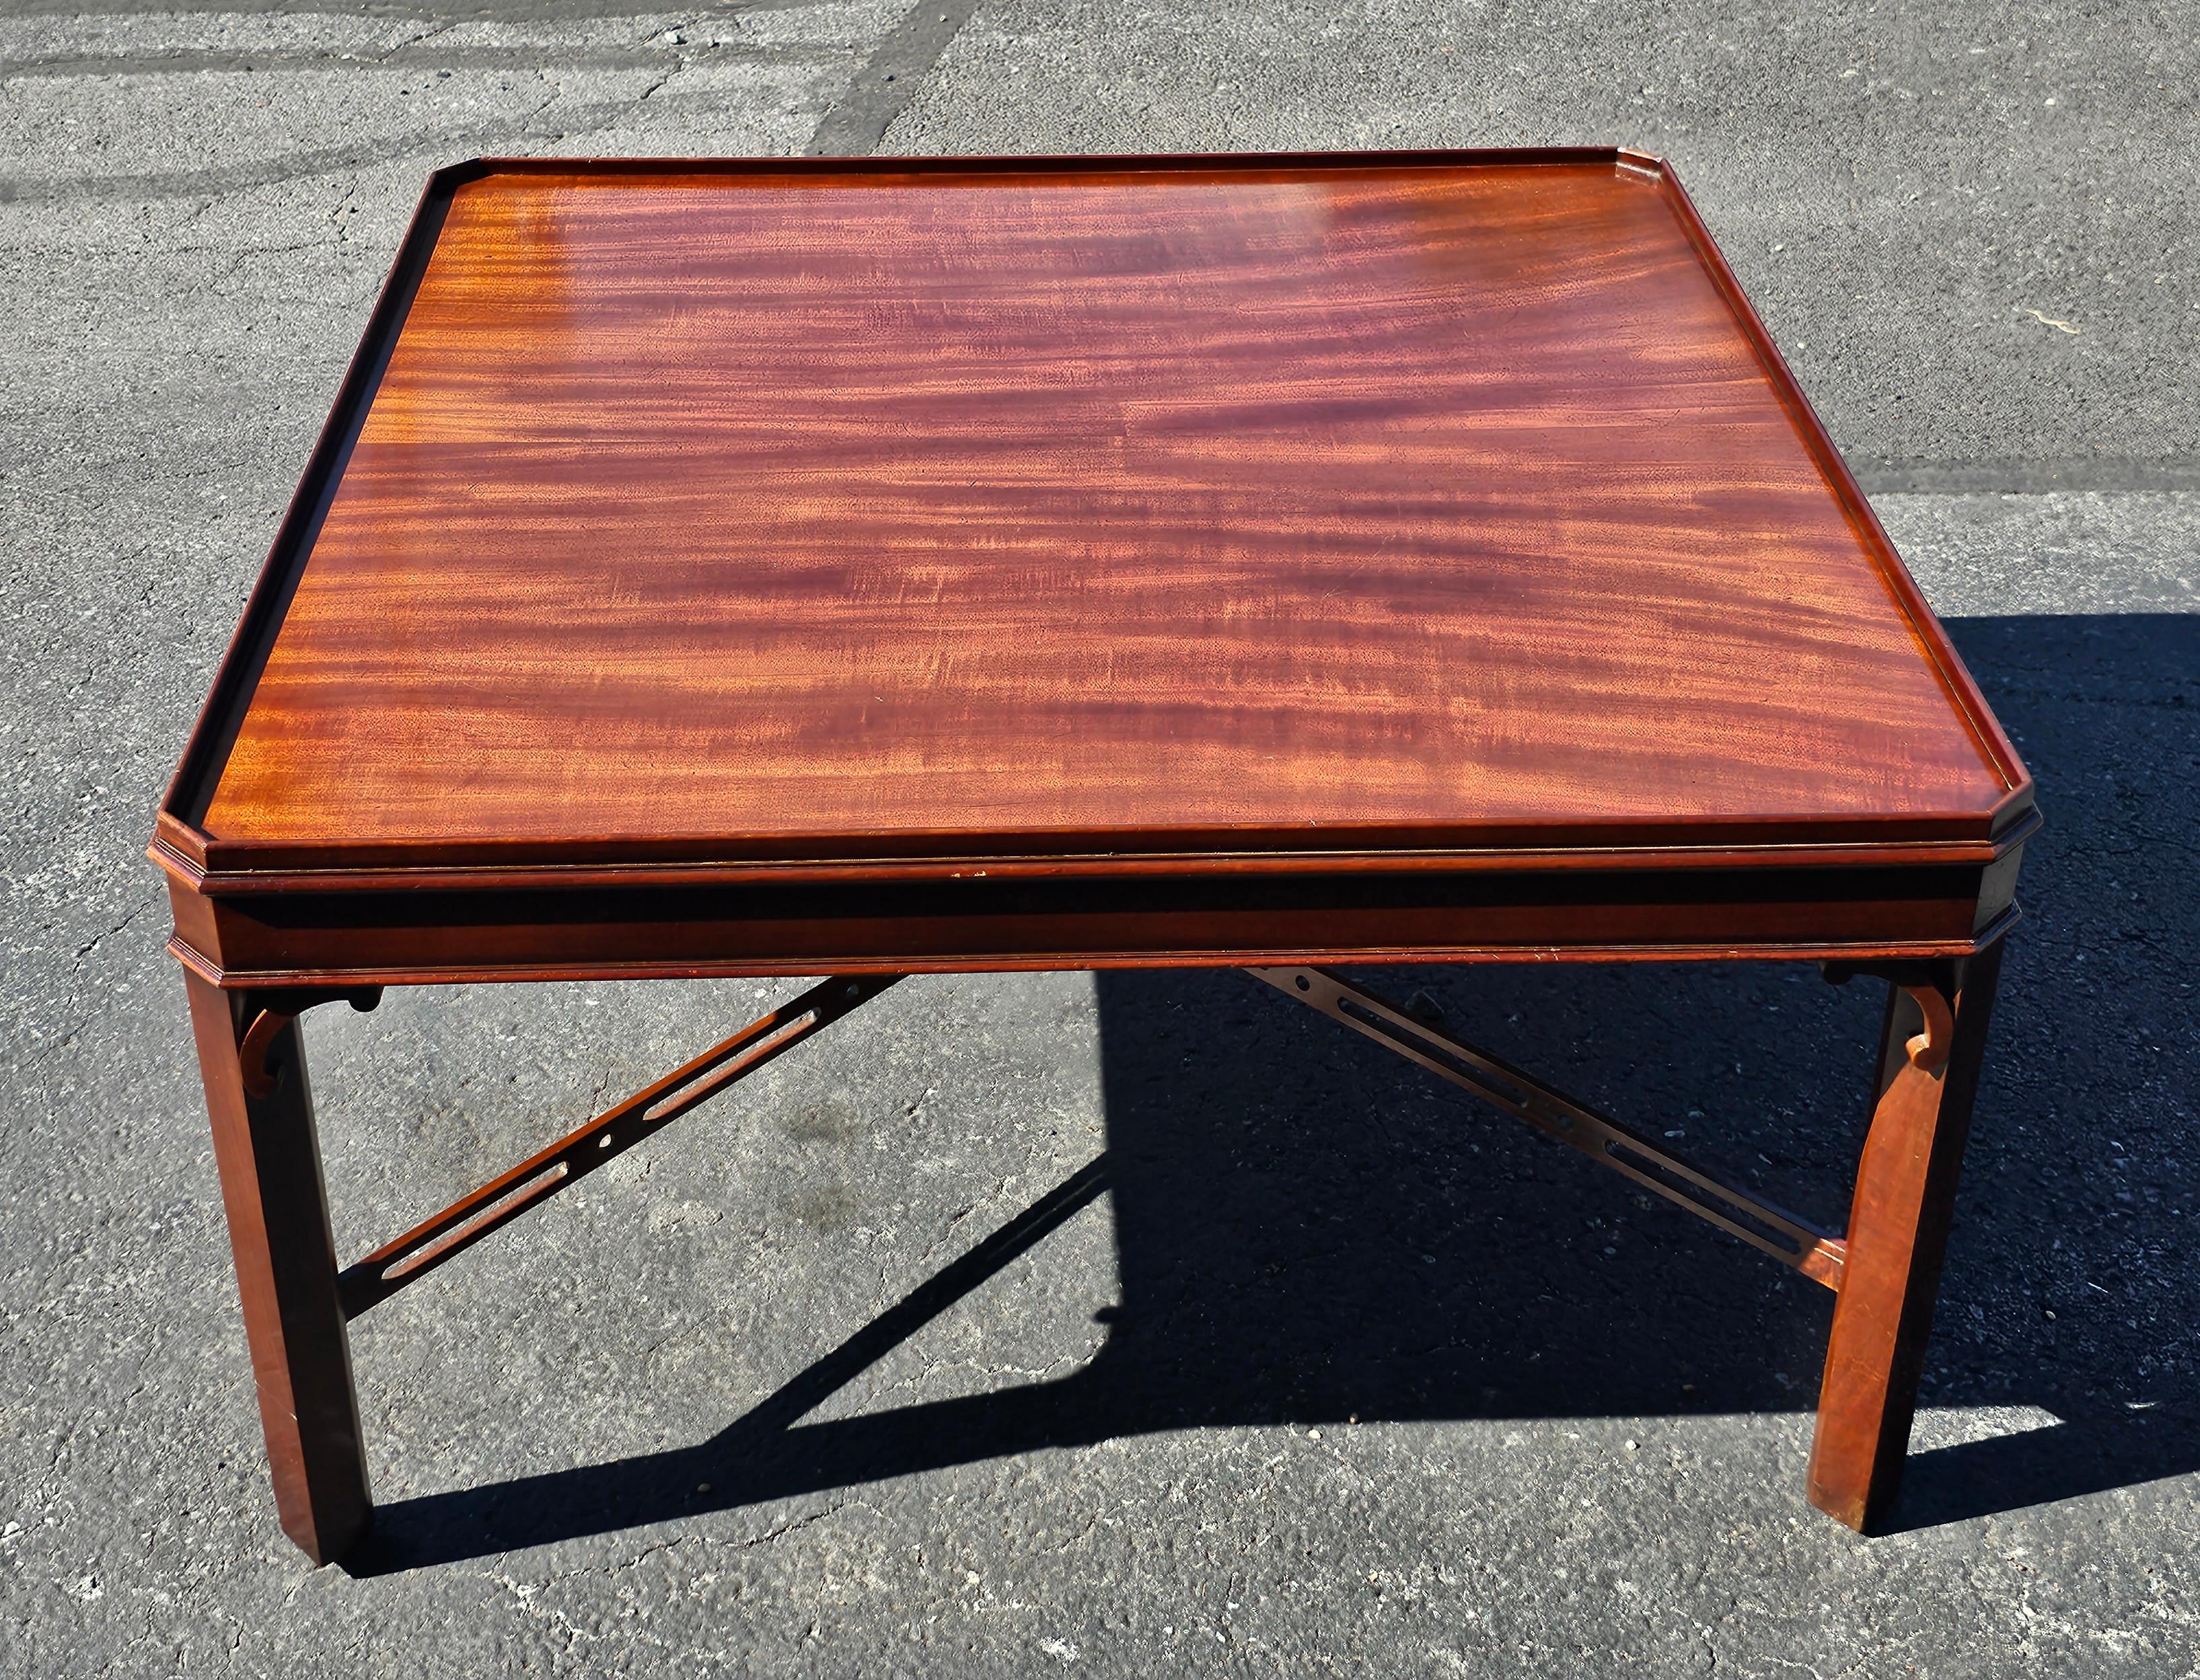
[1145,1323]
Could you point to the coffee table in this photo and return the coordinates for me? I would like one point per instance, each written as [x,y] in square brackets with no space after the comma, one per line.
[878,567]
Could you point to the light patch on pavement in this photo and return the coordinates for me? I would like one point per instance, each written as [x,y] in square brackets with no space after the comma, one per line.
[1940,1426]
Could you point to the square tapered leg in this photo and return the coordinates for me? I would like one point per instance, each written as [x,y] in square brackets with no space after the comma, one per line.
[273,1190]
[1933,1049]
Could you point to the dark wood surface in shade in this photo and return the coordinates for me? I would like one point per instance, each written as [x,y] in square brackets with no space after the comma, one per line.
[797,513]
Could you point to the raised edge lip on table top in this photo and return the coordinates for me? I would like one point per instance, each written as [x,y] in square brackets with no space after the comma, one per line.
[185,851]
[247,867]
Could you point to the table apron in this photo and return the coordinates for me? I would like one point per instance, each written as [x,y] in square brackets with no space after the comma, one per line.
[939,926]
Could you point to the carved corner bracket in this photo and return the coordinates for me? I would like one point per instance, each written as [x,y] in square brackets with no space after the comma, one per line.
[265,1014]
[1929,1050]
[1933,986]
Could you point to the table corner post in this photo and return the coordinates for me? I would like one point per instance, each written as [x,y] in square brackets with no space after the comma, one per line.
[252,1058]
[1933,1050]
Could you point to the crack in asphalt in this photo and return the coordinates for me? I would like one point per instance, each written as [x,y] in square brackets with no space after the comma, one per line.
[92,944]
[439,145]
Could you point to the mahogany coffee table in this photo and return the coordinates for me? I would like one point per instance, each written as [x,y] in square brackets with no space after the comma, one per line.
[891,566]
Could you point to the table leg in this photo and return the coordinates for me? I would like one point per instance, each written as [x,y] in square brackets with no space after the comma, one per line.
[1931,1053]
[271,1188]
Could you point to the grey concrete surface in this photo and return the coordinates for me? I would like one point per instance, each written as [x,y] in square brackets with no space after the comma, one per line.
[1026,1325]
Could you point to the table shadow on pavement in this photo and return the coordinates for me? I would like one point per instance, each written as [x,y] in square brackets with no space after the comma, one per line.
[1310,1229]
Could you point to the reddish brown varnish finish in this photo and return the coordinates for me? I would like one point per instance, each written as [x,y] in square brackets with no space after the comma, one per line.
[1898,1236]
[268,1155]
[878,567]
[729,508]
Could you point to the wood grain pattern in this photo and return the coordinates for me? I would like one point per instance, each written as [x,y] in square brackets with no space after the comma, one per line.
[717,507]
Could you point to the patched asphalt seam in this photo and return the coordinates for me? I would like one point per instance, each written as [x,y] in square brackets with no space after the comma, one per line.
[883,88]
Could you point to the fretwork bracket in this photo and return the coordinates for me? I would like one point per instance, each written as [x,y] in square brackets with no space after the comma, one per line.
[267,1013]
[1818,1255]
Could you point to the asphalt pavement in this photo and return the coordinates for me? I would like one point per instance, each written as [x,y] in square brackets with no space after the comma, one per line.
[1144,1324]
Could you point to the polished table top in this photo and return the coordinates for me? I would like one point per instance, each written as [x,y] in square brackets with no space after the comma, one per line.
[793,512]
